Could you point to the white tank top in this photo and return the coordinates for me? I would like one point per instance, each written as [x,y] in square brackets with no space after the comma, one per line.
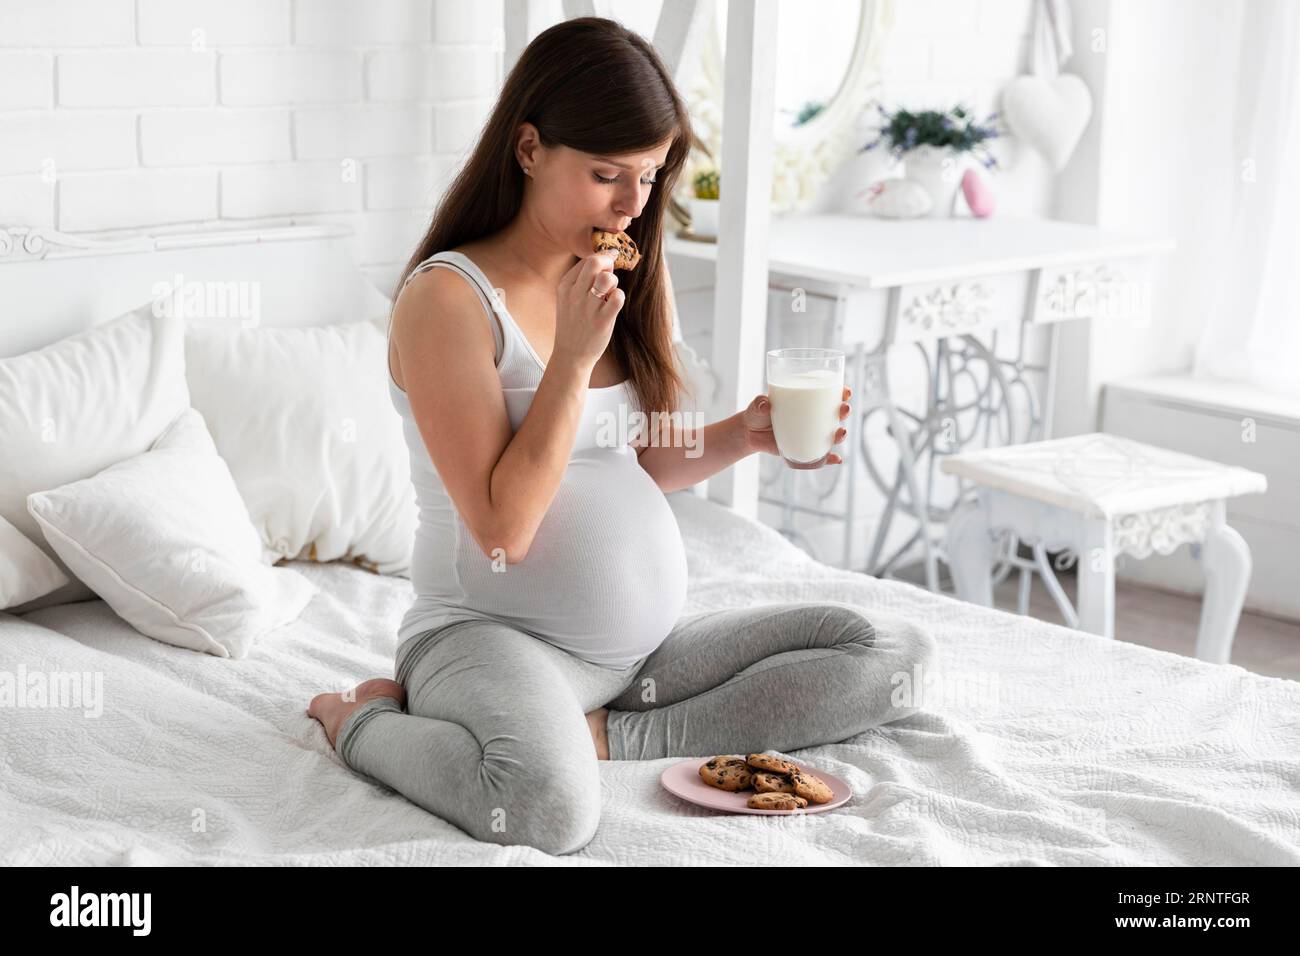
[605,575]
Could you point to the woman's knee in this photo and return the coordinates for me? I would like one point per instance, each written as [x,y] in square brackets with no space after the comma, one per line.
[909,643]
[889,651]
[912,653]
[914,646]
[554,808]
[846,623]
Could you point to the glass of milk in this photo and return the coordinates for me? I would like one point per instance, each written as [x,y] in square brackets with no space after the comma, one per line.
[806,388]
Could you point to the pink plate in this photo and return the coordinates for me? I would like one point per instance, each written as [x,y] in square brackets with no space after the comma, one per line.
[683,780]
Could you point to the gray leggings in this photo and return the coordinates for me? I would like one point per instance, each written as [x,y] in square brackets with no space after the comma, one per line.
[494,739]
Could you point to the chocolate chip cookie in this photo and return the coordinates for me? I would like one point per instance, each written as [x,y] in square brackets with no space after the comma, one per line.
[769,763]
[765,782]
[729,773]
[810,787]
[776,801]
[627,254]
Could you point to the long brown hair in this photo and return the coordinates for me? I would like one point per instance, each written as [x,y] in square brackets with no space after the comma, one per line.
[592,85]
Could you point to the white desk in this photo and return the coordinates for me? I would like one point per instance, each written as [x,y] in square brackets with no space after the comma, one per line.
[867,252]
[947,284]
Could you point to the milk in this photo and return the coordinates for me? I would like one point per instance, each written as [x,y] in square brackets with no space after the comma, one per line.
[805,413]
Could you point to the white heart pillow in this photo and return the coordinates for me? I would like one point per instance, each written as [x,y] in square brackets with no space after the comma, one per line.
[166,541]
[71,409]
[1050,114]
[303,418]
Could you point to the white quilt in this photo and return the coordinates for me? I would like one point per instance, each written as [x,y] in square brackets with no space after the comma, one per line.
[1037,745]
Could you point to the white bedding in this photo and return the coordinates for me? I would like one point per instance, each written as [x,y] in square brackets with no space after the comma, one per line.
[1094,751]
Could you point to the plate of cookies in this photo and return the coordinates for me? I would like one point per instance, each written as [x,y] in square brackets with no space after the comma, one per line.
[757,783]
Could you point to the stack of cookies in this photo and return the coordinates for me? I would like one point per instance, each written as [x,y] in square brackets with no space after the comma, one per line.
[778,784]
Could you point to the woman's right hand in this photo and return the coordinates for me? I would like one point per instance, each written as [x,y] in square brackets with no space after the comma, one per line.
[584,322]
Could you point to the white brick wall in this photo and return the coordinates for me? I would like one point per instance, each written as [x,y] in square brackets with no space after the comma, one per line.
[153,114]
[28,81]
[942,51]
[90,202]
[160,114]
[268,77]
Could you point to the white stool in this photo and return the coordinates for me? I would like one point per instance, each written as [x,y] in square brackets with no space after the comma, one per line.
[1101,496]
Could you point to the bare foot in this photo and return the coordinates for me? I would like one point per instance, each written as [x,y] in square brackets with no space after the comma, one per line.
[332,709]
[598,721]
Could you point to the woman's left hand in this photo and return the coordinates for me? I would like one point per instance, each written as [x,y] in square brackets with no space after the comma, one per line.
[758,426]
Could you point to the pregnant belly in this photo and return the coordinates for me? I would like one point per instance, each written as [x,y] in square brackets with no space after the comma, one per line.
[605,575]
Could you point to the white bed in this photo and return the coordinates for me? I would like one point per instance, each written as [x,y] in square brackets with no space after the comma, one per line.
[1038,745]
[1095,752]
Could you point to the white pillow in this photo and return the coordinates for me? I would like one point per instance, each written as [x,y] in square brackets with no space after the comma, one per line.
[25,572]
[166,541]
[304,420]
[75,407]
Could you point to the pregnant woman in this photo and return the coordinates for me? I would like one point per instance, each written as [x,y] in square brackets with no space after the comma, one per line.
[550,577]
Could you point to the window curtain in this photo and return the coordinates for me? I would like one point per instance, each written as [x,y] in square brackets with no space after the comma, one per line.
[1253,332]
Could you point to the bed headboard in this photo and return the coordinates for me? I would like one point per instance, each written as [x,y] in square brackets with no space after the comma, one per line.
[53,285]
